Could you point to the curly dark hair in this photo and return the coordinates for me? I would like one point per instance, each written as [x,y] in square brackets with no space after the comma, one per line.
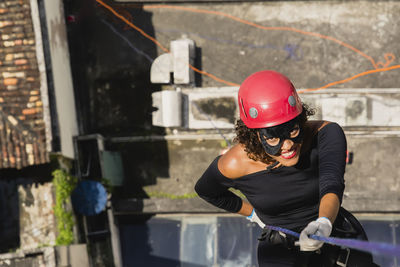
[249,137]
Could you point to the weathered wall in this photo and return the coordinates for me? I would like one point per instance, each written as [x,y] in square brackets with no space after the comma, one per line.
[112,83]
[338,44]
[372,180]
[61,72]
[369,117]
[372,183]
[40,257]
[210,108]
[27,220]
[36,216]
[313,42]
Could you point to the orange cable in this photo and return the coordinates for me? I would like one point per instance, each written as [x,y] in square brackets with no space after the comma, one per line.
[267,28]
[350,78]
[160,45]
[389,57]
[133,26]
[212,76]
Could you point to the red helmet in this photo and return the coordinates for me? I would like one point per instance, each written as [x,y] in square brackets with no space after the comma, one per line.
[267,98]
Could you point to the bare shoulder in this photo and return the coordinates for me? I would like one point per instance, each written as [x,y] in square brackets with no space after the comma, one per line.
[234,163]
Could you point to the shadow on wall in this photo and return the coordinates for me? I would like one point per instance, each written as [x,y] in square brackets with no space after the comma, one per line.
[10,180]
[111,64]
[9,216]
[111,72]
[143,163]
[111,68]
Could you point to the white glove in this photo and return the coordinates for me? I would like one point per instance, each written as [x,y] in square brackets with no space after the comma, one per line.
[321,227]
[254,218]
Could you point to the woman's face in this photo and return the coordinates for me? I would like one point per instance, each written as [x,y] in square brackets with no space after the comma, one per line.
[289,153]
[283,143]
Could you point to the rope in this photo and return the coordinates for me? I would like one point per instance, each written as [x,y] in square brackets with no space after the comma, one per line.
[372,247]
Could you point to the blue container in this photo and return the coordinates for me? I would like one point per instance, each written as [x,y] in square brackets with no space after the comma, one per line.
[89,198]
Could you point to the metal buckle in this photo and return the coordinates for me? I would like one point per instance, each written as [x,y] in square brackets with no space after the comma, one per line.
[282,234]
[343,259]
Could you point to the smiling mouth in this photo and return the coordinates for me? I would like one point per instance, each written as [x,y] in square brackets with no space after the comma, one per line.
[290,154]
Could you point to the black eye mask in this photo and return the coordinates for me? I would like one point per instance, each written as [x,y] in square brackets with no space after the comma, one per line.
[282,132]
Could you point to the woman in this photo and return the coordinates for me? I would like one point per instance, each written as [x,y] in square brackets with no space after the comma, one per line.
[291,172]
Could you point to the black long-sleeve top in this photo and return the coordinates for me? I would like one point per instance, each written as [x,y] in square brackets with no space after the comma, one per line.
[287,196]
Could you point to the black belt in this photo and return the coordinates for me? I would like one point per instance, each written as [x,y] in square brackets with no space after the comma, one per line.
[335,256]
[277,238]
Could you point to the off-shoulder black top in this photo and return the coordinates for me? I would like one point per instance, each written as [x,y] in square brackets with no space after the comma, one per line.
[286,196]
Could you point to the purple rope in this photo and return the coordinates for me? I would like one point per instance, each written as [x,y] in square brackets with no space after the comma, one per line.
[372,247]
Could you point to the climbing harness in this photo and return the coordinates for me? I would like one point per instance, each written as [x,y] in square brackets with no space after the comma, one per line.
[367,246]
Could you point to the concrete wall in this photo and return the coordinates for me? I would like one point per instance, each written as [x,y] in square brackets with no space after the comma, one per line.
[342,44]
[27,221]
[36,216]
[63,87]
[210,108]
[347,46]
[41,257]
[372,183]
[313,42]
[369,117]
[72,256]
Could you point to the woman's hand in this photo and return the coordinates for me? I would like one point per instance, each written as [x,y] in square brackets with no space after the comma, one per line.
[321,227]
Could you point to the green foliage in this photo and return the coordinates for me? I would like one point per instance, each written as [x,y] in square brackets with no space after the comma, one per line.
[171,196]
[64,184]
[107,186]
[223,144]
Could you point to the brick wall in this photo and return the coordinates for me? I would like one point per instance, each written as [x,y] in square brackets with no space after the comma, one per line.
[22,128]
